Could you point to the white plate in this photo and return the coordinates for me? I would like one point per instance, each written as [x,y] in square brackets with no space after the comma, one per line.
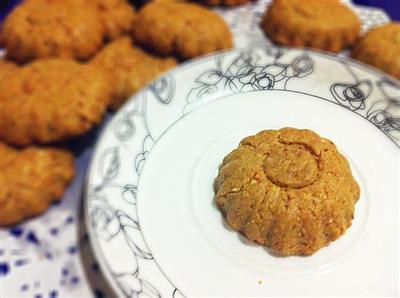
[149,204]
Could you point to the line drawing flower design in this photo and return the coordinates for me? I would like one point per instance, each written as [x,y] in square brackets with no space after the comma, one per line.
[247,72]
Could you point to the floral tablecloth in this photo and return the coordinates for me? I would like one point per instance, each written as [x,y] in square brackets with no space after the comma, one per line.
[50,256]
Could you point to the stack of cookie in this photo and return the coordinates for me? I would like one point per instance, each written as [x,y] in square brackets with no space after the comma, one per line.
[66,63]
[331,25]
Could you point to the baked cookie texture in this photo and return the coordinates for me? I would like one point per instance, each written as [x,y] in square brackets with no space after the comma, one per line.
[50,100]
[327,25]
[183,29]
[31,179]
[288,189]
[166,1]
[117,16]
[223,2]
[130,68]
[380,47]
[51,28]
[5,67]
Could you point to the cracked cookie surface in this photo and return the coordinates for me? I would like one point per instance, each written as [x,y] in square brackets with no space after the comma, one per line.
[183,29]
[288,189]
[380,47]
[31,179]
[327,24]
[49,28]
[223,2]
[6,67]
[130,67]
[117,17]
[50,100]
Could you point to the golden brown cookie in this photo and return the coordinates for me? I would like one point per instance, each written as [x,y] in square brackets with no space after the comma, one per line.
[287,189]
[181,29]
[130,67]
[327,24]
[51,99]
[31,179]
[223,2]
[117,16]
[380,47]
[165,1]
[5,67]
[51,28]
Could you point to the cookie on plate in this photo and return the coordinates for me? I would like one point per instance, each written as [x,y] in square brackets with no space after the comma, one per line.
[223,2]
[130,67]
[49,28]
[117,16]
[51,99]
[327,25]
[31,179]
[380,47]
[288,189]
[183,29]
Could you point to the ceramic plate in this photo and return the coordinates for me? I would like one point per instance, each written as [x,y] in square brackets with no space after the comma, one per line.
[149,202]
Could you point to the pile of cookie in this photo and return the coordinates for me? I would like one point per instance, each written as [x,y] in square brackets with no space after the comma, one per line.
[68,61]
[331,25]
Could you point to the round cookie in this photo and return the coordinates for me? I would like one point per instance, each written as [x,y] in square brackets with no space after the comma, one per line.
[223,2]
[117,16]
[181,29]
[287,189]
[50,28]
[130,67]
[31,179]
[51,99]
[380,47]
[327,24]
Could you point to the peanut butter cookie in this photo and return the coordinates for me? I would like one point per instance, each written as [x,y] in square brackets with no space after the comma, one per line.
[50,28]
[327,24]
[223,2]
[31,179]
[5,67]
[380,47]
[182,29]
[287,189]
[117,16]
[130,67]
[51,99]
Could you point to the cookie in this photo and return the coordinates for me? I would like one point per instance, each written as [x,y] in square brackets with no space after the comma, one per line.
[5,67]
[117,16]
[288,189]
[327,25]
[50,28]
[130,67]
[223,2]
[50,100]
[164,1]
[182,29]
[31,179]
[380,47]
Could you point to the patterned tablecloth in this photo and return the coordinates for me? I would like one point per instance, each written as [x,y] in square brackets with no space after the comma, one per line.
[50,256]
